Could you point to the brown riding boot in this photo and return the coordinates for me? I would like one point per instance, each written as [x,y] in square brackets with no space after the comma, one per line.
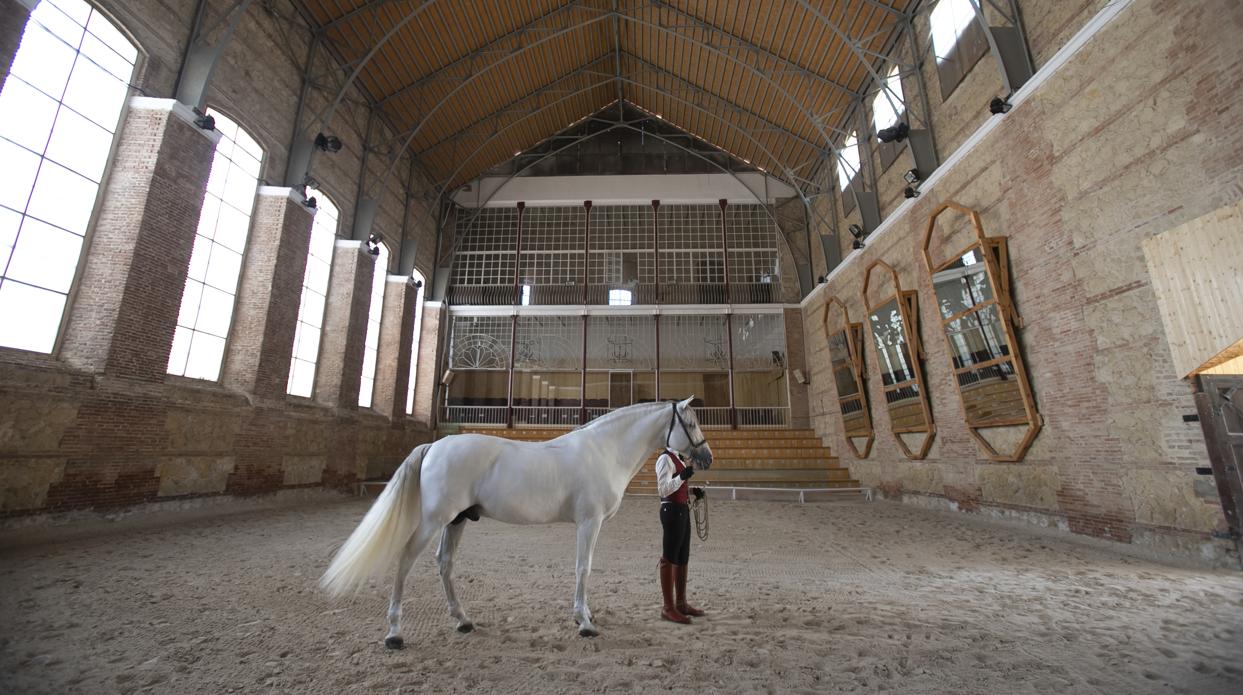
[680,580]
[669,612]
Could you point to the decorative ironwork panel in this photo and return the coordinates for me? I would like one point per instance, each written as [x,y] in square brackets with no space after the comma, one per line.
[692,267]
[480,342]
[549,342]
[759,341]
[621,342]
[693,342]
[553,229]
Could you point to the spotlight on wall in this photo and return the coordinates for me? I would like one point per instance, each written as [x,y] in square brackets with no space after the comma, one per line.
[857,232]
[999,106]
[820,280]
[912,176]
[895,133]
[910,192]
[416,284]
[311,203]
[373,245]
[328,143]
[205,122]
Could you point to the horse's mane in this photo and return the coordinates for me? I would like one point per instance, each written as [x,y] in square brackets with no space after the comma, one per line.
[630,412]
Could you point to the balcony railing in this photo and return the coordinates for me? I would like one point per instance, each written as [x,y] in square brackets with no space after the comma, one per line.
[766,417]
[475,414]
[546,416]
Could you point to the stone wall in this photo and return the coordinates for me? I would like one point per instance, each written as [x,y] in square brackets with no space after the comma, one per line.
[1133,136]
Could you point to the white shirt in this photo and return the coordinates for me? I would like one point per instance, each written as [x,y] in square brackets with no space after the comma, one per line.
[667,480]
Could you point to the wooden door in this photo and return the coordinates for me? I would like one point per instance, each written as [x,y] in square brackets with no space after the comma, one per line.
[621,390]
[1219,401]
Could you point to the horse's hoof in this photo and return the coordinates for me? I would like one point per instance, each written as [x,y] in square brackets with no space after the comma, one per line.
[588,632]
[466,627]
[394,642]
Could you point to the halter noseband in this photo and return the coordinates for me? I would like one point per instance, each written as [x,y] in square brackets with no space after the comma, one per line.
[677,417]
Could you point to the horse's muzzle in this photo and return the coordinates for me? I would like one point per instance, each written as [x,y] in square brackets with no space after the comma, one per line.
[701,456]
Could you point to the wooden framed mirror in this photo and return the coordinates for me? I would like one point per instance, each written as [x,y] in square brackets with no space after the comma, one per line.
[893,322]
[846,360]
[971,281]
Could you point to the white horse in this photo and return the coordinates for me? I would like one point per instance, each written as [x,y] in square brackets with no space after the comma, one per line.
[578,477]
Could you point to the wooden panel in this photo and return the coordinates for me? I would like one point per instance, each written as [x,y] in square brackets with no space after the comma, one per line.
[1195,271]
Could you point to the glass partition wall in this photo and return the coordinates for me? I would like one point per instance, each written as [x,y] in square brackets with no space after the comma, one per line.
[561,314]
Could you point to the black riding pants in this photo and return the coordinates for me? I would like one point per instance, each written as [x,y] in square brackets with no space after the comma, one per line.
[675,519]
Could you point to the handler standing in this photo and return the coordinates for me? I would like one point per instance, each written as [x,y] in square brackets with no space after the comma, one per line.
[675,519]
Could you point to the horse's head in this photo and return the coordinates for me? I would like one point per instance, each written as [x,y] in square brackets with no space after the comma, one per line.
[686,437]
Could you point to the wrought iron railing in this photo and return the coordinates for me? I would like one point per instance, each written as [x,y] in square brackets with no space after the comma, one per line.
[546,415]
[766,417]
[475,414]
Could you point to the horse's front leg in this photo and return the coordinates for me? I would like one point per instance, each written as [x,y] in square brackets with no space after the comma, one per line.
[444,556]
[588,531]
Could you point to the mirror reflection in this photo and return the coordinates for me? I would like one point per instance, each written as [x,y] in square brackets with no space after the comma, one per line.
[977,337]
[963,284]
[992,394]
[889,336]
[843,365]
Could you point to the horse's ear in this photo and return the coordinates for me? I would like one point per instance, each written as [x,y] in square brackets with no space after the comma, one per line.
[683,405]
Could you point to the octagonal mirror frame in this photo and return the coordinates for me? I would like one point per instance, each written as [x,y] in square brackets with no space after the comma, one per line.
[907,306]
[854,367]
[1002,360]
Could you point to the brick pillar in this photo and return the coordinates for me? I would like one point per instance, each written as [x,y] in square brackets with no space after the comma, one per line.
[339,373]
[261,344]
[392,371]
[134,273]
[796,359]
[13,16]
[429,362]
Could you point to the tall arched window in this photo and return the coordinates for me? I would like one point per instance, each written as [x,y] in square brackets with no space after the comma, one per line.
[848,163]
[887,105]
[216,261]
[414,344]
[59,110]
[367,387]
[314,292]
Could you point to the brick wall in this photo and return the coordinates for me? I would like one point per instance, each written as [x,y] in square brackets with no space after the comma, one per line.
[1132,137]
[102,425]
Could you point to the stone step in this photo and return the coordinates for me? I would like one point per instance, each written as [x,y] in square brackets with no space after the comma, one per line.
[649,488]
[712,435]
[715,475]
[719,463]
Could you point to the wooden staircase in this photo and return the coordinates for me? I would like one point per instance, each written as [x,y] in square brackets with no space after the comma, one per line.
[792,459]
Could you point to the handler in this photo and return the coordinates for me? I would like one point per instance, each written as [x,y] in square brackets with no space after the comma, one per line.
[675,519]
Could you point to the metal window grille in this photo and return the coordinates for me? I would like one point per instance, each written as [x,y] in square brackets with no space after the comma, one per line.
[549,342]
[553,229]
[488,229]
[621,342]
[759,341]
[693,342]
[690,227]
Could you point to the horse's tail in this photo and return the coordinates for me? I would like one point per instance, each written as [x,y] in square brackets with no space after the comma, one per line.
[380,537]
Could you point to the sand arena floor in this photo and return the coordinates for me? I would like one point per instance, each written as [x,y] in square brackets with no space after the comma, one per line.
[835,597]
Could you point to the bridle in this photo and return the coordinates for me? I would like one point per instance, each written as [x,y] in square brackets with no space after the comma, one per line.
[677,417]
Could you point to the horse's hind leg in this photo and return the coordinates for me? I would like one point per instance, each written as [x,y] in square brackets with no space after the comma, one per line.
[444,556]
[588,532]
[418,542]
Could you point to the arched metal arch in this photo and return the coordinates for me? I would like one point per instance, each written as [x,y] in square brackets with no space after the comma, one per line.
[836,153]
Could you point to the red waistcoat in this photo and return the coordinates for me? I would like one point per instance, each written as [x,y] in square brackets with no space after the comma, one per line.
[679,495]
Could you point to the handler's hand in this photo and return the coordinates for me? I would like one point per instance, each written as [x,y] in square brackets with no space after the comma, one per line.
[686,473]
[698,492]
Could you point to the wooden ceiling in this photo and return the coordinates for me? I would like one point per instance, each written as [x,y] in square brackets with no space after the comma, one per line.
[472,82]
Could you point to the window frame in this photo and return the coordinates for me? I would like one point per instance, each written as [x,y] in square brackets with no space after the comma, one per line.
[319,348]
[136,76]
[250,221]
[888,152]
[970,45]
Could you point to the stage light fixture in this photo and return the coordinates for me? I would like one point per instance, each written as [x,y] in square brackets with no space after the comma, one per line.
[910,192]
[894,133]
[998,106]
[205,122]
[912,177]
[311,203]
[373,245]
[856,244]
[855,231]
[328,143]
